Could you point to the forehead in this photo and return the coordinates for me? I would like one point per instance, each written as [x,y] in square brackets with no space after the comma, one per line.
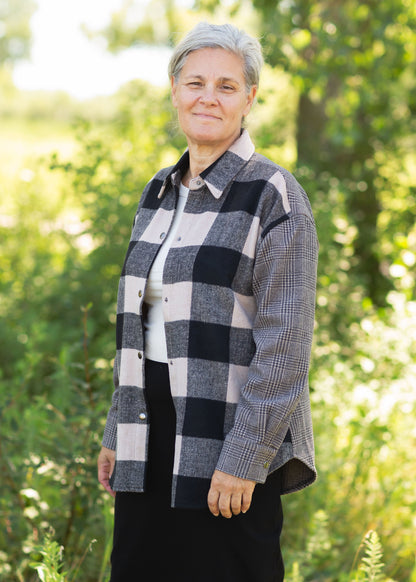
[213,62]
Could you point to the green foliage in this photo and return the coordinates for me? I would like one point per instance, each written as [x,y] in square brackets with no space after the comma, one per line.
[317,553]
[48,569]
[49,445]
[372,564]
[352,65]
[49,561]
[318,548]
[14,29]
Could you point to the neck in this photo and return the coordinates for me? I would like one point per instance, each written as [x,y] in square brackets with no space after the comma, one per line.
[199,161]
[201,157]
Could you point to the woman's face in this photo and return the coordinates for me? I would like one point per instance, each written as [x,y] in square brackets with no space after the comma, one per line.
[211,97]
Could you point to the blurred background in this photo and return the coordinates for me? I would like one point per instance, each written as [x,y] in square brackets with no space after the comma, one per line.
[85,121]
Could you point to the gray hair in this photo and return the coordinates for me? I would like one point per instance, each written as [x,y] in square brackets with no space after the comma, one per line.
[225,36]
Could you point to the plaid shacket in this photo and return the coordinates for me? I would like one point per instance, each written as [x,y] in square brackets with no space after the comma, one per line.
[238,304]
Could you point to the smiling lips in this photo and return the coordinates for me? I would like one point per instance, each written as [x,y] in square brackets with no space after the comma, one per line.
[206,116]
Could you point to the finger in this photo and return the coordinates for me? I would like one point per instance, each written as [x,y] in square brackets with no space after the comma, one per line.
[107,487]
[236,503]
[213,497]
[104,479]
[224,505]
[110,491]
[103,474]
[104,482]
[246,501]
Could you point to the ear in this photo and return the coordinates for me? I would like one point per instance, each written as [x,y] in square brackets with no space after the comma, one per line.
[250,100]
[173,91]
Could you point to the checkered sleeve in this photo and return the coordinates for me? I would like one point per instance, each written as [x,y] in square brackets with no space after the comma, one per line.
[110,430]
[284,288]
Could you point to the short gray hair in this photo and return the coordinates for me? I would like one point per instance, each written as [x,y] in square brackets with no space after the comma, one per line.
[225,36]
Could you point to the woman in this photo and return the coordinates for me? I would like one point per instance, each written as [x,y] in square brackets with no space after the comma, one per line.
[210,417]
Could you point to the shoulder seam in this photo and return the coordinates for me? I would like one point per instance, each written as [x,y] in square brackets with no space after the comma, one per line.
[282,219]
[273,224]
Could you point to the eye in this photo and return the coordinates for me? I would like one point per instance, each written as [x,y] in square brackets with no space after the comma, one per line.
[195,84]
[227,88]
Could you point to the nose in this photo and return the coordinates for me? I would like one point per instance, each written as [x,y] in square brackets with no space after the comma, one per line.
[208,95]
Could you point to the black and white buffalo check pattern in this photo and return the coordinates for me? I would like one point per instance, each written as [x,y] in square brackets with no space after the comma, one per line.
[239,296]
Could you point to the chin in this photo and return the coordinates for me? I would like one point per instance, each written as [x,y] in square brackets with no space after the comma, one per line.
[206,138]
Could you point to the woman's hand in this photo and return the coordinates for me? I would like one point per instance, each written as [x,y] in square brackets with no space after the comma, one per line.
[106,462]
[229,495]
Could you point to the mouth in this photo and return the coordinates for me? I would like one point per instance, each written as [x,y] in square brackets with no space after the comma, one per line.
[207,116]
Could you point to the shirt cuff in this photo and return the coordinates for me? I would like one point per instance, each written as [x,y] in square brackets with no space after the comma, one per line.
[110,437]
[245,459]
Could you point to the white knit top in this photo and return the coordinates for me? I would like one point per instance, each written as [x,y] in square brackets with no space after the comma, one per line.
[154,324]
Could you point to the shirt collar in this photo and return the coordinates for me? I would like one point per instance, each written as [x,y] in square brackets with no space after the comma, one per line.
[219,174]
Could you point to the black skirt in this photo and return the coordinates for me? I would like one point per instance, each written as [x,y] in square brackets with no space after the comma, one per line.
[156,543]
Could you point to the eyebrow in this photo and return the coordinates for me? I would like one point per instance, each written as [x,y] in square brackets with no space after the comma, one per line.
[222,79]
